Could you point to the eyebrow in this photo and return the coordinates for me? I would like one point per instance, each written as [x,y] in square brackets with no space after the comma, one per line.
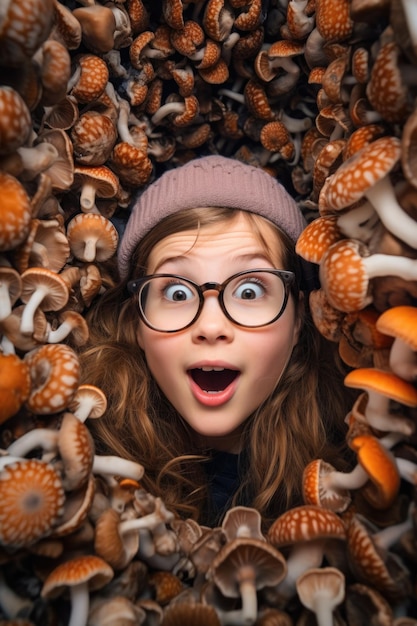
[241,258]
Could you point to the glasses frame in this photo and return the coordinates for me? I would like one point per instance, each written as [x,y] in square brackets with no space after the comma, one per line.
[287,278]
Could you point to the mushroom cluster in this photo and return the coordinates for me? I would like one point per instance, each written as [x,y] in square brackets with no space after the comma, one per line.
[97,99]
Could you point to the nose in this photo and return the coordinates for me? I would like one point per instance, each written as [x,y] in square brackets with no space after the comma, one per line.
[212,325]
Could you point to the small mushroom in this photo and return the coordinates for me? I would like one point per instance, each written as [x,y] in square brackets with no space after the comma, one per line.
[42,288]
[94,182]
[321,590]
[80,575]
[10,288]
[89,402]
[72,326]
[242,567]
[92,237]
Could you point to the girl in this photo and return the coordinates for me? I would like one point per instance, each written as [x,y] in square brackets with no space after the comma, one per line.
[217,380]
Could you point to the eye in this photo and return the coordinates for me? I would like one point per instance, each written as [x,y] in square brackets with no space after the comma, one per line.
[249,290]
[178,293]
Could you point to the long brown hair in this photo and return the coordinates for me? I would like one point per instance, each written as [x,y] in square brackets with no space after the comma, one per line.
[303,419]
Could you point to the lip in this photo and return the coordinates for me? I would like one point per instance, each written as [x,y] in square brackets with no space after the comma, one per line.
[219,397]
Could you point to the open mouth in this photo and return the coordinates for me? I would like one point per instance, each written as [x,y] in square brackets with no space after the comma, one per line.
[213,380]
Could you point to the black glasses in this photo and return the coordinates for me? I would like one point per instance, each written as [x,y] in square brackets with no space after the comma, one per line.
[169,303]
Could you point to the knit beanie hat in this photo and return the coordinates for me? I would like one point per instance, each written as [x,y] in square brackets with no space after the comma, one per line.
[211,181]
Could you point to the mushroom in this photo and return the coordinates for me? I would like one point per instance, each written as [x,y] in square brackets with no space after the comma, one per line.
[89,402]
[365,604]
[242,567]
[242,521]
[317,236]
[324,486]
[93,137]
[89,79]
[15,125]
[366,173]
[15,385]
[99,181]
[80,575]
[32,499]
[187,613]
[92,237]
[15,214]
[308,530]
[347,269]
[42,288]
[321,590]
[73,326]
[54,372]
[383,387]
[400,322]
[371,560]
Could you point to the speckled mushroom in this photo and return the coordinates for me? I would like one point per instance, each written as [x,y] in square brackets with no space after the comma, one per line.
[25,26]
[93,137]
[317,236]
[32,501]
[347,269]
[80,575]
[92,237]
[89,78]
[16,212]
[55,375]
[366,173]
[307,530]
[15,126]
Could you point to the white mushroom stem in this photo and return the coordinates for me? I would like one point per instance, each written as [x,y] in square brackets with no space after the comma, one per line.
[27,324]
[5,302]
[403,360]
[167,109]
[378,415]
[247,587]
[59,334]
[388,536]
[7,460]
[116,466]
[80,603]
[303,556]
[407,470]
[395,219]
[7,346]
[44,438]
[359,223]
[88,198]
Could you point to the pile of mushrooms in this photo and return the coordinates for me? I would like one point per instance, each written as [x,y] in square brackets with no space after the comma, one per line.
[97,99]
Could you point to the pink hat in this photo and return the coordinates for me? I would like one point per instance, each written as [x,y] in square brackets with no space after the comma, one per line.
[214,181]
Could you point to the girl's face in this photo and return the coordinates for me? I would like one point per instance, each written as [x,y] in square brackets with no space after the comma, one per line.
[257,357]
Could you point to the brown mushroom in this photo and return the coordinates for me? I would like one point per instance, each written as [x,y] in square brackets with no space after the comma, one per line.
[92,237]
[80,575]
[16,212]
[98,181]
[321,590]
[15,385]
[42,288]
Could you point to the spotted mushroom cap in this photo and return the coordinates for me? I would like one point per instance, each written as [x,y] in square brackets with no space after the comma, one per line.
[89,569]
[32,498]
[305,523]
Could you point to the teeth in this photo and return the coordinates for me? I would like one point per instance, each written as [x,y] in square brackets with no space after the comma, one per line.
[212,369]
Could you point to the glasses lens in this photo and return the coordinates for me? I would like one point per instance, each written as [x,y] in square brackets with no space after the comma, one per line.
[168,303]
[255,298]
